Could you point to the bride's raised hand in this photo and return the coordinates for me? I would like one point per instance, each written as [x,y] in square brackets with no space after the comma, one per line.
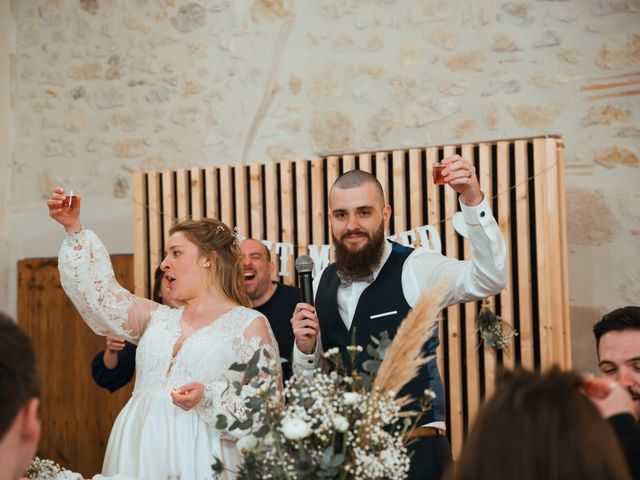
[68,217]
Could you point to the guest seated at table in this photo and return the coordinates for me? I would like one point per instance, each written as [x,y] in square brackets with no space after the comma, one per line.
[19,400]
[540,426]
[618,347]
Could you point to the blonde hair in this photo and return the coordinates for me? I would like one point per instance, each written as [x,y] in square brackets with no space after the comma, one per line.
[217,243]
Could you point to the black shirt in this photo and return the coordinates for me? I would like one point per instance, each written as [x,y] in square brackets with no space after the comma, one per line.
[279,310]
[114,378]
[628,432]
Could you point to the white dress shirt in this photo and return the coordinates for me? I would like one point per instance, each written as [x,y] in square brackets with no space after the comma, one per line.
[482,276]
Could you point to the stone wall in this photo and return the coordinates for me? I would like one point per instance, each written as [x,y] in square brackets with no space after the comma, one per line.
[7,260]
[102,88]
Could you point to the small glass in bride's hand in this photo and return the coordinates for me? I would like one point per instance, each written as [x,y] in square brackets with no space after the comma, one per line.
[70,200]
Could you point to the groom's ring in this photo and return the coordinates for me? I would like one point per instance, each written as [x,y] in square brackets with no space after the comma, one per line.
[469,174]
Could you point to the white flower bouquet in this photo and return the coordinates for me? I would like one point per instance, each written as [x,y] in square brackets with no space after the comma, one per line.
[43,469]
[342,424]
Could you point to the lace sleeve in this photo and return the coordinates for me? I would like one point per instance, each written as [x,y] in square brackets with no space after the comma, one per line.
[220,398]
[87,277]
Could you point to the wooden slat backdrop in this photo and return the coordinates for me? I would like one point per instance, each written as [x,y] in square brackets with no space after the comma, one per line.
[287,202]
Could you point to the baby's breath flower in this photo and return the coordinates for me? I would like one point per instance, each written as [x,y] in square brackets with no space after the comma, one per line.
[340,423]
[351,398]
[331,352]
[430,394]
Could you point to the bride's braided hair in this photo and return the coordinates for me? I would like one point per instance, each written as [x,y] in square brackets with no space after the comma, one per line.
[219,244]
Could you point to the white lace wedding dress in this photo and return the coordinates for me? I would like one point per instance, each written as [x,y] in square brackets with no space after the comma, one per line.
[152,438]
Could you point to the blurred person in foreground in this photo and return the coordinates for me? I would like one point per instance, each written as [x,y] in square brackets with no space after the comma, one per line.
[540,427]
[19,400]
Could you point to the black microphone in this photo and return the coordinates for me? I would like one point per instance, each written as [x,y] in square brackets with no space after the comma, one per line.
[304,266]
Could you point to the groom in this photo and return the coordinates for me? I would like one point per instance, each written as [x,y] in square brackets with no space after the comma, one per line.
[374,283]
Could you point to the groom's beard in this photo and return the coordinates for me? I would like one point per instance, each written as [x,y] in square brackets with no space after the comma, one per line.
[358,265]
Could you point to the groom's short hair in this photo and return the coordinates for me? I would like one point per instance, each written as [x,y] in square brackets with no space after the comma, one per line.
[19,376]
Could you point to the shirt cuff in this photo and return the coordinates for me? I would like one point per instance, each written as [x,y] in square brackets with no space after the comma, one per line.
[75,235]
[478,214]
[306,362]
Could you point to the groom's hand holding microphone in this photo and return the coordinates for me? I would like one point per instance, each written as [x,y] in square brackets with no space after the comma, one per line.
[304,321]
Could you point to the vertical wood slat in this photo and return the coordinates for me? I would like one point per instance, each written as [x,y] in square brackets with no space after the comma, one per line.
[255,203]
[197,202]
[182,188]
[317,203]
[212,208]
[241,200]
[504,222]
[271,205]
[302,208]
[364,160]
[332,176]
[562,249]
[453,328]
[382,174]
[286,205]
[471,335]
[557,301]
[543,255]
[333,170]
[168,202]
[434,218]
[433,192]
[486,175]
[417,199]
[525,313]
[399,190]
[226,196]
[140,234]
[348,163]
[156,240]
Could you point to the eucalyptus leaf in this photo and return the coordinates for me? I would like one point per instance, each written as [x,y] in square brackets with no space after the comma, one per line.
[371,366]
[238,367]
[247,424]
[252,371]
[255,403]
[222,422]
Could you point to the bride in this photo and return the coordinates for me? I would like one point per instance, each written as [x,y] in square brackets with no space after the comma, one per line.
[167,427]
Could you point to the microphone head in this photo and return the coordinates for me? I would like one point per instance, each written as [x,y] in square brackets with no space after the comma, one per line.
[304,264]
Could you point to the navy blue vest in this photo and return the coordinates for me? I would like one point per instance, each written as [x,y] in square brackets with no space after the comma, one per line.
[384,295]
